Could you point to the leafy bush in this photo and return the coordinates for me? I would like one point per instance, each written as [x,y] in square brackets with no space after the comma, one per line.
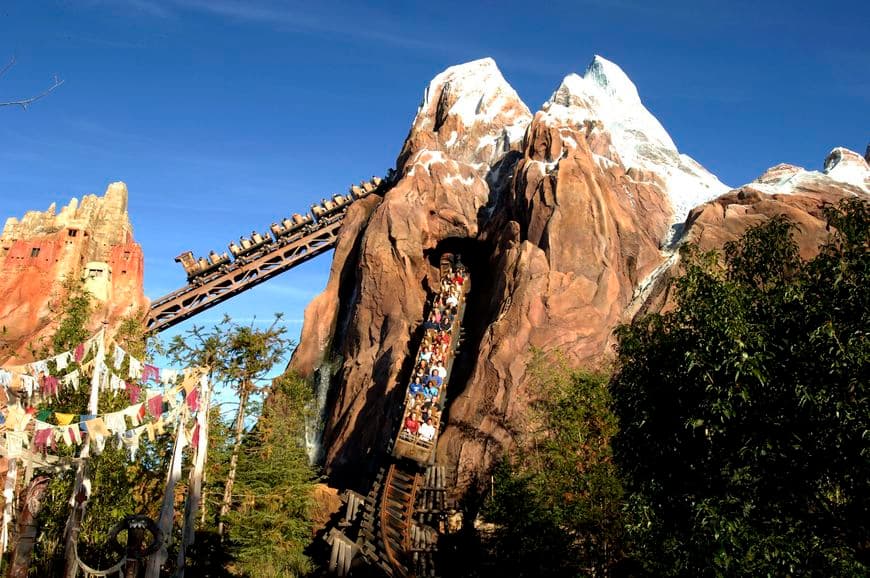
[744,412]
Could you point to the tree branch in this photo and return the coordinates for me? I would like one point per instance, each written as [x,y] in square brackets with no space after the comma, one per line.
[24,103]
[8,66]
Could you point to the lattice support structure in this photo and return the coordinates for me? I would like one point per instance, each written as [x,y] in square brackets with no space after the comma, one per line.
[240,276]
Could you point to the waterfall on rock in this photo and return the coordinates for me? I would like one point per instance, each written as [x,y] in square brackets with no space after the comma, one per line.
[316,417]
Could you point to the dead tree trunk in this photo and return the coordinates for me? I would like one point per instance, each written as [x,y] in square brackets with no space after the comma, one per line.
[234,459]
[27,528]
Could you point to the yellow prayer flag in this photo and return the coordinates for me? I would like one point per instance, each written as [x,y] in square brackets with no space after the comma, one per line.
[14,418]
[64,418]
[190,381]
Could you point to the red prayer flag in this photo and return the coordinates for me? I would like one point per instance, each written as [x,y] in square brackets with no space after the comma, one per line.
[133,391]
[155,406]
[193,399]
[195,441]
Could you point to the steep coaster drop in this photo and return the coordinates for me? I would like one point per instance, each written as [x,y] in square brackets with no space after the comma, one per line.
[397,523]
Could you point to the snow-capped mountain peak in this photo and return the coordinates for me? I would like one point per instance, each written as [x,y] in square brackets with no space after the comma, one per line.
[612,80]
[471,114]
[841,166]
[847,166]
[474,91]
[606,96]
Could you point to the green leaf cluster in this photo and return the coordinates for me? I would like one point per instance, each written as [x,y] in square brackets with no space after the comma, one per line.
[745,423]
[556,503]
[268,517]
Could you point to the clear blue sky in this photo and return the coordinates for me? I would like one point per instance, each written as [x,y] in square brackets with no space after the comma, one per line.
[225,115]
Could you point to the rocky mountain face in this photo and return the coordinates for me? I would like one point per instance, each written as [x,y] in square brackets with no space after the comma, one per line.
[90,240]
[567,220]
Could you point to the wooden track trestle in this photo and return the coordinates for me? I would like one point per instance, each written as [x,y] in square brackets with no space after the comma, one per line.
[396,516]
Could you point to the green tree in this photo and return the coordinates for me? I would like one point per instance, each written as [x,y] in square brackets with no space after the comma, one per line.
[271,523]
[556,503]
[744,411]
[257,522]
[75,309]
[251,354]
[240,357]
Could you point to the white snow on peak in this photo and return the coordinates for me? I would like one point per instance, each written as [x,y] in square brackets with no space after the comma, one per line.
[841,165]
[606,95]
[425,159]
[847,166]
[612,80]
[478,90]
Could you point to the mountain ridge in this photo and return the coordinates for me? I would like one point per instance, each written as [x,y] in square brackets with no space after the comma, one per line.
[568,219]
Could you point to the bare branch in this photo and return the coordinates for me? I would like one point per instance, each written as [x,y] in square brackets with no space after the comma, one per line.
[8,66]
[24,103]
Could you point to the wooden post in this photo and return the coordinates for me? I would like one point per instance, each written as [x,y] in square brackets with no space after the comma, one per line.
[135,537]
[167,510]
[79,498]
[194,490]
[27,528]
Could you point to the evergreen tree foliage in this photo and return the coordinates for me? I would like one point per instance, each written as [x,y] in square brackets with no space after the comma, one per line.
[270,522]
[556,503]
[744,412]
[265,511]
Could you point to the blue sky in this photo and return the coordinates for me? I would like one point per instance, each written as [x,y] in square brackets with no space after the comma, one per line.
[223,116]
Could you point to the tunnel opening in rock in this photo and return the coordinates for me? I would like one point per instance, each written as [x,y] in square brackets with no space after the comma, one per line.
[475,255]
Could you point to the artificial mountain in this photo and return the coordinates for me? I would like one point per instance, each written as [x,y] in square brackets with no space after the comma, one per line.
[568,220]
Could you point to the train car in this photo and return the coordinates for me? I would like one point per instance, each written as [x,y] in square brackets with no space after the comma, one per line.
[289,227]
[187,260]
[364,188]
[197,268]
[371,184]
[248,246]
[417,445]
[328,208]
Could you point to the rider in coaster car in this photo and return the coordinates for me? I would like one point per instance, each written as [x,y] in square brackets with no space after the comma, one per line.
[416,386]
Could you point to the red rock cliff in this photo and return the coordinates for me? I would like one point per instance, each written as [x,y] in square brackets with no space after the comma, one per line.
[91,240]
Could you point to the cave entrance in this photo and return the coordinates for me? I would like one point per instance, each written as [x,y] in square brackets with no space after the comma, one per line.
[476,256]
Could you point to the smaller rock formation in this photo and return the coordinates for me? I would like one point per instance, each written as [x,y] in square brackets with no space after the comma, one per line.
[848,167]
[784,189]
[92,241]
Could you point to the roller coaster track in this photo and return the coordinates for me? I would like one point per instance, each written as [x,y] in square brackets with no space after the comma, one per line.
[396,521]
[241,275]
[397,509]
[396,527]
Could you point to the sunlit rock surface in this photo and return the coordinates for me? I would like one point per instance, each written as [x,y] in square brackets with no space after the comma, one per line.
[90,240]
[568,220]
